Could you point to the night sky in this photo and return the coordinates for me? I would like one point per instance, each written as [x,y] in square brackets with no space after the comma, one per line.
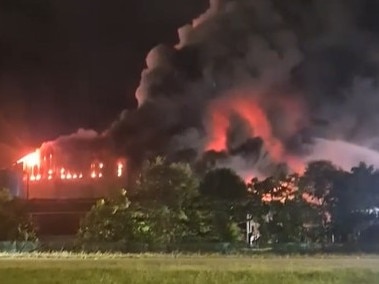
[66,64]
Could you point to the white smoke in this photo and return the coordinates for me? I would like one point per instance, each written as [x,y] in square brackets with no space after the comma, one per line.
[342,154]
[80,134]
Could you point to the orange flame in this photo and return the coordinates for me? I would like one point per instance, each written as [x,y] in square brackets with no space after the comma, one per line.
[120,167]
[38,167]
[31,160]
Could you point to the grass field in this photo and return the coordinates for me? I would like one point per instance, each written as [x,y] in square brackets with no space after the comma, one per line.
[103,268]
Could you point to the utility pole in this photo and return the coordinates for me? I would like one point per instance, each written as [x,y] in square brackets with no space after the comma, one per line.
[248,228]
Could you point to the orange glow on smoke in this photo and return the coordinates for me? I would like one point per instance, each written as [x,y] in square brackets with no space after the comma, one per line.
[295,164]
[219,128]
[250,111]
[258,122]
[248,178]
[295,113]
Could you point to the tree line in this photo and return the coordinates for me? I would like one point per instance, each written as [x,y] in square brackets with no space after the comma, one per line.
[171,204]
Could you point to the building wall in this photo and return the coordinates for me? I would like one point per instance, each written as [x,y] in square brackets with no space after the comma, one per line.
[73,189]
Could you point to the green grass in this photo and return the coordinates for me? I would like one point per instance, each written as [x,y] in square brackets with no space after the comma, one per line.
[144,268]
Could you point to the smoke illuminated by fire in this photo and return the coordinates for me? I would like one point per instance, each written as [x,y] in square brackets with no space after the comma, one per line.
[220,125]
[259,125]
[249,110]
[251,60]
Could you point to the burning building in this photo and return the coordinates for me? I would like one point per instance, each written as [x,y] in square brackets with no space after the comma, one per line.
[251,85]
[74,166]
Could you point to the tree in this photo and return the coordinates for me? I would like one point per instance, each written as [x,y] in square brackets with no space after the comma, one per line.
[364,187]
[167,191]
[320,184]
[170,184]
[294,220]
[279,207]
[15,224]
[222,192]
[342,196]
[359,195]
[320,179]
[223,183]
[156,214]
[108,220]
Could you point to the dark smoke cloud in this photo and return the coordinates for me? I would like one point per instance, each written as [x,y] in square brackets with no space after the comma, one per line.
[312,67]
[323,55]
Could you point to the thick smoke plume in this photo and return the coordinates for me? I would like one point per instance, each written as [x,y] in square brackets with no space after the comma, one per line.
[279,71]
[256,81]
